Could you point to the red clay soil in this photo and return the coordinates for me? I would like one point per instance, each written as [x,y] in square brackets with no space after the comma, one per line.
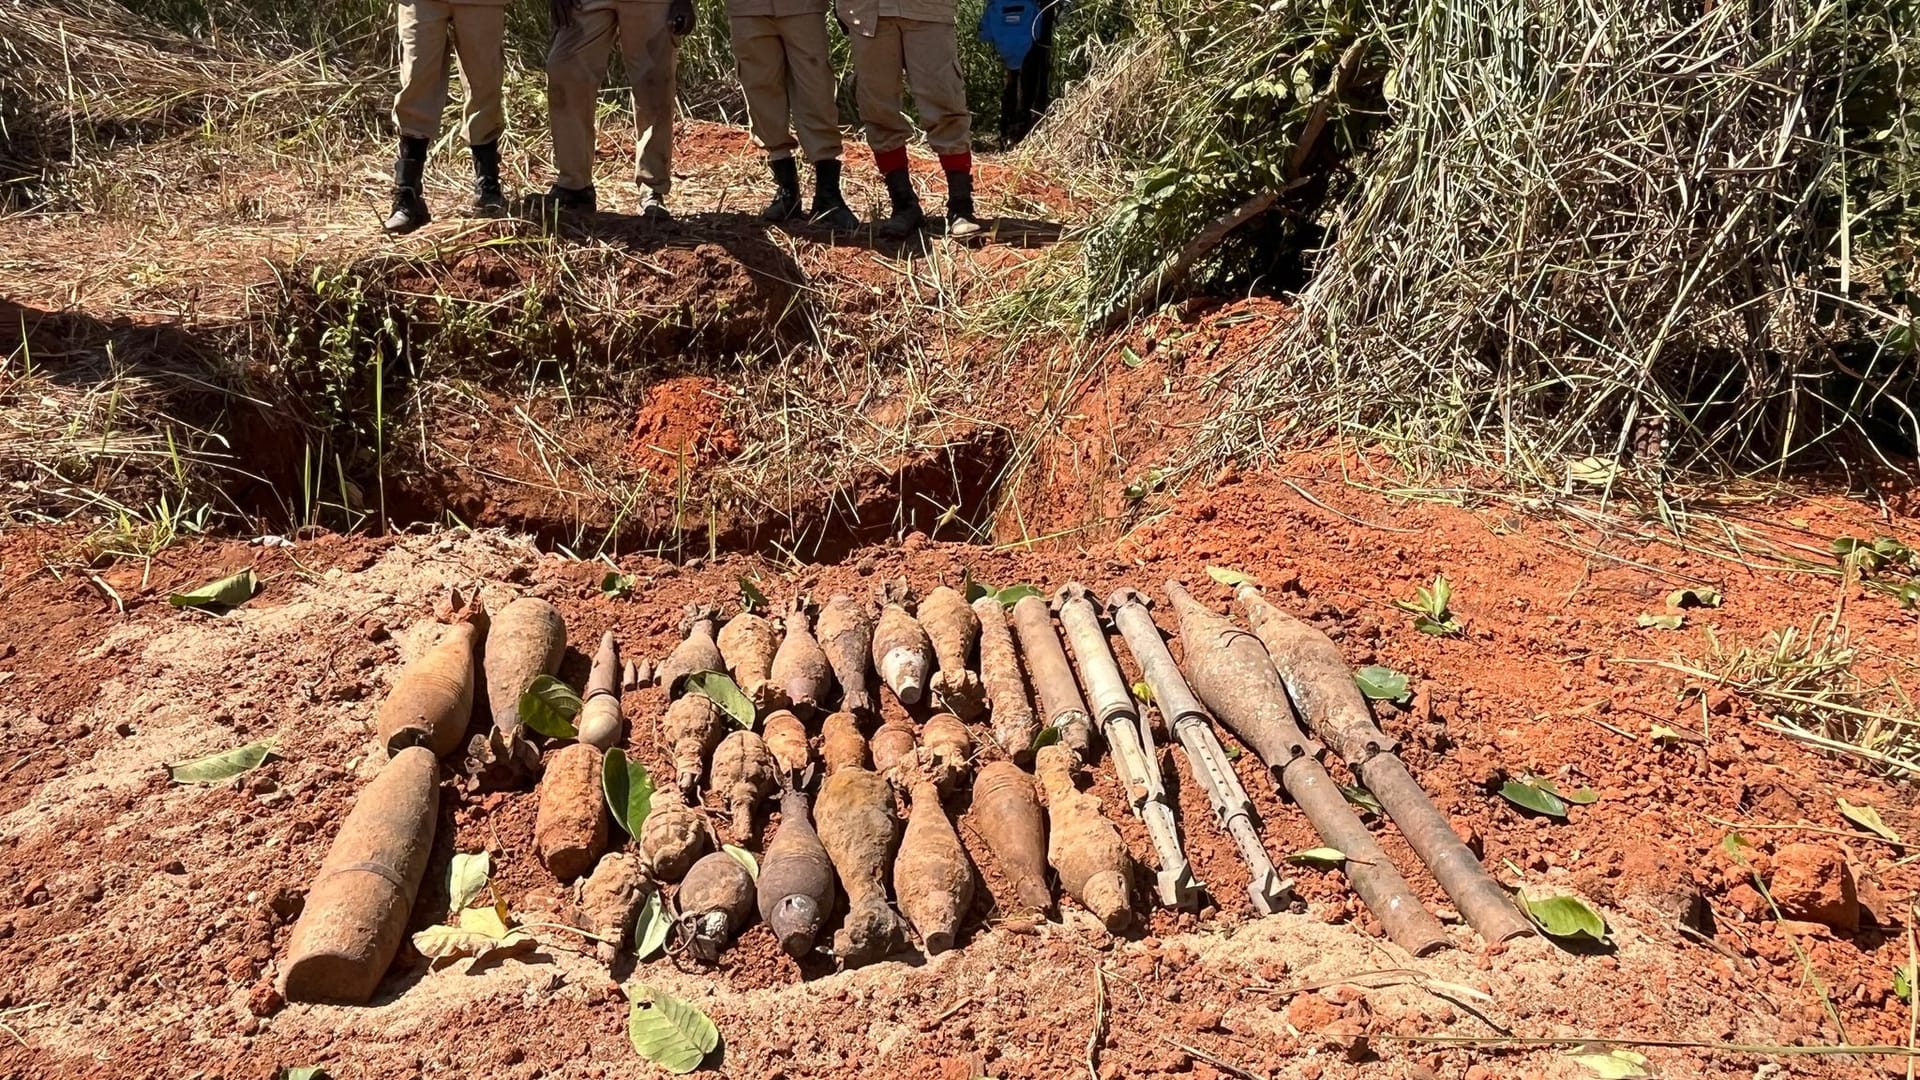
[147,920]
[682,425]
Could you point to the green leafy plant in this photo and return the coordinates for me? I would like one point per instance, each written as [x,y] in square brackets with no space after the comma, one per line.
[668,1031]
[1045,737]
[222,766]
[751,598]
[1903,984]
[548,706]
[616,585]
[228,592]
[628,788]
[1381,683]
[1432,609]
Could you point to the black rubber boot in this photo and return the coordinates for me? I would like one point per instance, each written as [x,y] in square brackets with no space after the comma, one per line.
[409,170]
[961,220]
[786,191]
[488,199]
[830,209]
[907,216]
[556,200]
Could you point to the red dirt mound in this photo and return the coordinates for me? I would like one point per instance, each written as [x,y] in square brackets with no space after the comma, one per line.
[682,424]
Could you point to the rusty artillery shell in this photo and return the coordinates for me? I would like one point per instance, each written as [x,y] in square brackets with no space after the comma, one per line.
[432,700]
[902,654]
[748,643]
[1006,810]
[846,636]
[891,745]
[1321,685]
[356,911]
[800,669]
[696,652]
[599,723]
[841,744]
[570,830]
[1052,675]
[952,627]
[1010,709]
[526,641]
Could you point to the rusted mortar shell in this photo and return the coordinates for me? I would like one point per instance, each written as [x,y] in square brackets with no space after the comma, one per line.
[356,911]
[432,700]
[1083,846]
[696,652]
[1322,686]
[1229,669]
[796,890]
[892,745]
[801,672]
[599,723]
[1008,705]
[932,878]
[570,829]
[1207,758]
[846,636]
[902,654]
[748,642]
[1052,676]
[1006,811]
[952,627]
[526,641]
[841,744]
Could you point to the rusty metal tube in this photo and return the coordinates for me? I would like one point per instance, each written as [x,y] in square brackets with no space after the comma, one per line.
[600,722]
[1317,678]
[1232,807]
[1230,671]
[1052,675]
[1127,742]
[356,912]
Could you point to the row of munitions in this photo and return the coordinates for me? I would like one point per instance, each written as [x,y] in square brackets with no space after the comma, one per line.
[849,838]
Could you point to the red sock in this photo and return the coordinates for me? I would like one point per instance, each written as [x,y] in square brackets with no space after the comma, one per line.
[891,160]
[960,162]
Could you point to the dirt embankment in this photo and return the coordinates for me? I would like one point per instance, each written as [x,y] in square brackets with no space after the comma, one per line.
[145,921]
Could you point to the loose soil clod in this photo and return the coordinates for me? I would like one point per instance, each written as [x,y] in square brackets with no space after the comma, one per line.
[748,643]
[931,874]
[1009,706]
[745,772]
[1006,811]
[846,636]
[952,628]
[696,652]
[796,879]
[801,673]
[570,829]
[356,912]
[432,700]
[1082,845]
[714,903]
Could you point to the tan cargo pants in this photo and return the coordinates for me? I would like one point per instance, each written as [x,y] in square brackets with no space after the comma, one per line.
[577,64]
[477,33]
[927,53]
[787,72]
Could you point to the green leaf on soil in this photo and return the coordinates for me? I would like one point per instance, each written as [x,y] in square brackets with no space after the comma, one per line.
[1692,598]
[751,598]
[1736,847]
[229,592]
[973,589]
[1142,691]
[720,689]
[467,878]
[1045,737]
[1528,794]
[1381,683]
[628,788]
[1320,856]
[304,1072]
[1613,1064]
[651,926]
[222,766]
[1363,799]
[1903,984]
[744,858]
[1233,752]
[616,585]
[1228,576]
[479,932]
[667,1031]
[548,706]
[1663,735]
[1909,595]
[1432,608]
[1013,594]
[1580,796]
[1565,917]
[1130,358]
[1869,819]
[1660,622]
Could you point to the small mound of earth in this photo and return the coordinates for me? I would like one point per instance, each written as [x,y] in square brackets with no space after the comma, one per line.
[683,424]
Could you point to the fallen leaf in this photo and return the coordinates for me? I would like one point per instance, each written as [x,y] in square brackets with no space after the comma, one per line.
[1226,575]
[616,584]
[1613,1064]
[1565,917]
[667,1031]
[1691,598]
[548,706]
[479,932]
[751,598]
[971,587]
[467,878]
[744,858]
[1130,358]
[650,927]
[1665,736]
[628,788]
[1319,856]
[1045,737]
[1869,819]
[1363,799]
[1580,796]
[1903,984]
[229,592]
[1013,594]
[1381,683]
[1596,471]
[720,688]
[1142,691]
[222,766]
[1660,622]
[1527,794]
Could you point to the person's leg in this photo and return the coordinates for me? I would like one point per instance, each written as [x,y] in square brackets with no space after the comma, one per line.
[940,92]
[422,26]
[816,117]
[877,69]
[761,60]
[651,56]
[576,63]
[479,40]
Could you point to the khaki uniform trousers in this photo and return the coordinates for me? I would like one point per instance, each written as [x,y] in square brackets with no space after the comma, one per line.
[576,66]
[927,53]
[477,33]
[787,72]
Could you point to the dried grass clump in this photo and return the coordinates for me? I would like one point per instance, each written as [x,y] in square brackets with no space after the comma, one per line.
[1612,227]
